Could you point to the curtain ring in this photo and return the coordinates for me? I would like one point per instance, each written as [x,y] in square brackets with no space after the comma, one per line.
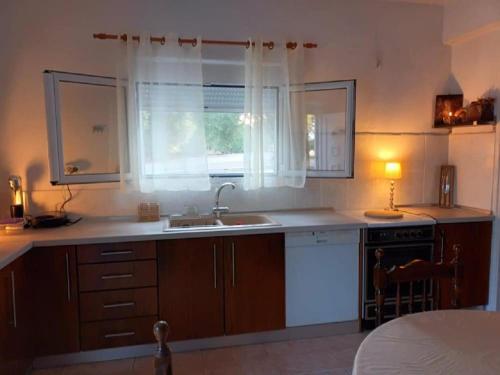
[162,40]
[248,44]
[180,42]
[123,37]
[292,45]
[194,42]
[270,45]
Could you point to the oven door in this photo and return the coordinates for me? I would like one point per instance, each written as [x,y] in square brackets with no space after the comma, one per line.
[394,255]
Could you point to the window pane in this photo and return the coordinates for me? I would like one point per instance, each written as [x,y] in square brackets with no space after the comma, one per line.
[224,135]
[326,129]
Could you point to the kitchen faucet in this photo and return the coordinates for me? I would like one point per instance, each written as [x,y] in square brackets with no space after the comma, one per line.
[217,210]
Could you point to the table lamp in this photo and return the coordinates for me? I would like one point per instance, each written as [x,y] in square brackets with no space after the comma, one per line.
[392,172]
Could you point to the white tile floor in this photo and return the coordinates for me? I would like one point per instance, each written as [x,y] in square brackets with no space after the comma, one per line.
[332,355]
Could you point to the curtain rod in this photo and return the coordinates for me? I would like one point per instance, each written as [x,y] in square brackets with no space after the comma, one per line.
[193,41]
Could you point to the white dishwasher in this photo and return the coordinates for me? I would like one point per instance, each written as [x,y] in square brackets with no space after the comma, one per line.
[321,277]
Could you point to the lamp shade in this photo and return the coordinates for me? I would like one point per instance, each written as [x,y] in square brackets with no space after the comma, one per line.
[393,170]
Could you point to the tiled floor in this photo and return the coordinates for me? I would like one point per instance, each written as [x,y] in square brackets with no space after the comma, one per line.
[328,355]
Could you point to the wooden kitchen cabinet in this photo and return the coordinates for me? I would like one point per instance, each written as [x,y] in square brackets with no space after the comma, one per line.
[55,300]
[475,238]
[214,286]
[191,285]
[16,319]
[254,283]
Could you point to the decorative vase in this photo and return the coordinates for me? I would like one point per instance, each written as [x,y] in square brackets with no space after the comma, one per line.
[474,112]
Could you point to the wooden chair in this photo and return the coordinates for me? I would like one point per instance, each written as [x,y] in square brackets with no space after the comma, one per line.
[163,356]
[413,272]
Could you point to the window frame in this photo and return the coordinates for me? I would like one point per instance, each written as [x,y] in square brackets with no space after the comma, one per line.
[350,87]
[52,79]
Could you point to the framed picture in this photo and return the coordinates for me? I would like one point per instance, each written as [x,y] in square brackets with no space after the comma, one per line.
[449,111]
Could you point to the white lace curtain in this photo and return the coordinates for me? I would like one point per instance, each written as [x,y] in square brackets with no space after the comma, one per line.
[162,133]
[274,140]
[162,137]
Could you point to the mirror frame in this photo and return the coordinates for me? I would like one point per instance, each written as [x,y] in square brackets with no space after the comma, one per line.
[55,142]
[350,131]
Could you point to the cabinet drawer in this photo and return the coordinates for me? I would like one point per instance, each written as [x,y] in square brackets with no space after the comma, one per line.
[117,275]
[116,252]
[114,333]
[118,304]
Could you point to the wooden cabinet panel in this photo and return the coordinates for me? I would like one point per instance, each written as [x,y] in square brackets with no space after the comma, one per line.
[254,283]
[116,252]
[16,349]
[55,300]
[475,239]
[190,287]
[113,333]
[108,276]
[118,304]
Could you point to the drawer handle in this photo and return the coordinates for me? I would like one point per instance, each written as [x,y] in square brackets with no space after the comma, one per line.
[121,334]
[117,276]
[116,305]
[118,252]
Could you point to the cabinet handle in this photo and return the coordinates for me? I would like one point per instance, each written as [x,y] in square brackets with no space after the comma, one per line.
[68,282]
[234,264]
[215,266]
[115,252]
[121,334]
[116,305]
[13,286]
[117,276]
[442,246]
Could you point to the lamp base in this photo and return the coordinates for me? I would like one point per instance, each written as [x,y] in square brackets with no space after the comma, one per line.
[384,214]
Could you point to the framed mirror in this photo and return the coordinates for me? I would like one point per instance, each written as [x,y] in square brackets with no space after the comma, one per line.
[330,109]
[82,128]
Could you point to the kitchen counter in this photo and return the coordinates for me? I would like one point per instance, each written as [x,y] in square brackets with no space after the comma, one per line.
[102,230]
[407,219]
[450,215]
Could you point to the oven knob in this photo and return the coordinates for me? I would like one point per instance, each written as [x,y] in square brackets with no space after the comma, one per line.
[399,235]
[413,234]
[406,234]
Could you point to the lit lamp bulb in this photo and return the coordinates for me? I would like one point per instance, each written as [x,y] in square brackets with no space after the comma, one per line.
[392,172]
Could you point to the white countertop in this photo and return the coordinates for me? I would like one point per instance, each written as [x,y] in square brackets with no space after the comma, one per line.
[407,220]
[456,214]
[101,230]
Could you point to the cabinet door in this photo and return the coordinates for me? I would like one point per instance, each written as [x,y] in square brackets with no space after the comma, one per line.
[254,283]
[475,239]
[16,350]
[55,300]
[190,287]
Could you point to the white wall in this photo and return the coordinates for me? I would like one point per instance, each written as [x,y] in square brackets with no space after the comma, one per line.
[472,29]
[394,50]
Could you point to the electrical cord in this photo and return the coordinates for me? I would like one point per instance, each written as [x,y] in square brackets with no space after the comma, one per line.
[66,201]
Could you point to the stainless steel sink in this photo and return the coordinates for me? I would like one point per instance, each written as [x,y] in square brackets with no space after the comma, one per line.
[247,220]
[187,222]
[179,222]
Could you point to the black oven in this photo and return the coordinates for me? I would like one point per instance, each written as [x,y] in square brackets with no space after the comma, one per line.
[400,245]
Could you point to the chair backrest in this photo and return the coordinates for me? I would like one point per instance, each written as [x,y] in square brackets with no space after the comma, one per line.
[163,356]
[416,271]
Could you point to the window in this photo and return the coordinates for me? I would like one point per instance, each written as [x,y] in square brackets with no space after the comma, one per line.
[329,111]
[224,128]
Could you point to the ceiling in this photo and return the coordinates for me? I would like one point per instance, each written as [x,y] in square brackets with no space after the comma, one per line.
[436,2]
